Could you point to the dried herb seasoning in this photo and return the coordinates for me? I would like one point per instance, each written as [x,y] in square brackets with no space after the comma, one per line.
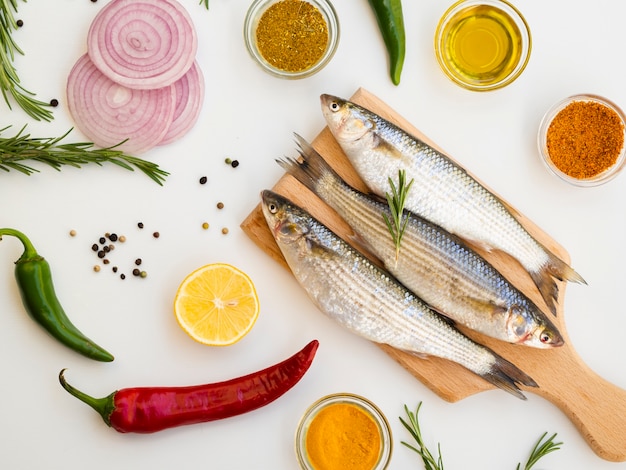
[292,35]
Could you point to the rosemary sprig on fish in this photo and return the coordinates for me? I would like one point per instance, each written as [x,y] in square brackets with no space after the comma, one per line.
[396,221]
[443,191]
[368,301]
[436,265]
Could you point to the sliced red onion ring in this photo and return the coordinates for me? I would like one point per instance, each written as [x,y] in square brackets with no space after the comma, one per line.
[108,113]
[143,44]
[189,98]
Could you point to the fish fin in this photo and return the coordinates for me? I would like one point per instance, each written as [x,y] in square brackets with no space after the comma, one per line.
[358,242]
[310,168]
[480,305]
[444,316]
[506,376]
[387,147]
[545,279]
[418,354]
[377,198]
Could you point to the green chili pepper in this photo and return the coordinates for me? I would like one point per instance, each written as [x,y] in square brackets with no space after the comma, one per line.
[34,280]
[391,25]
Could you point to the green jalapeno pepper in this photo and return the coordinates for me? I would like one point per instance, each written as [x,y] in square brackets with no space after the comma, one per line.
[34,280]
[391,25]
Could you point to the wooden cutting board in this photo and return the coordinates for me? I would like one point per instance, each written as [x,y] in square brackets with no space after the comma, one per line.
[596,407]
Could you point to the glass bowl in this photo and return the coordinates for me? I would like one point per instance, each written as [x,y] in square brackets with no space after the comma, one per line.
[259,8]
[482,45]
[542,140]
[364,406]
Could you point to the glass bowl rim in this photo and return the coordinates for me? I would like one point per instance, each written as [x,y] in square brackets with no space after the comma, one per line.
[526,38]
[345,397]
[253,14]
[542,134]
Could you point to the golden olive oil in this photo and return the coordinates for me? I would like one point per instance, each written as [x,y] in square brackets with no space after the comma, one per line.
[482,45]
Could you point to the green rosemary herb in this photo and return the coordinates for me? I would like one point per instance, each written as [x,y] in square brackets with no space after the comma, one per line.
[541,449]
[413,427]
[9,80]
[51,151]
[396,201]
[205,3]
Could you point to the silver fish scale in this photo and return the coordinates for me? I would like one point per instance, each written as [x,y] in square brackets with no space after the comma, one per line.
[445,194]
[433,263]
[357,294]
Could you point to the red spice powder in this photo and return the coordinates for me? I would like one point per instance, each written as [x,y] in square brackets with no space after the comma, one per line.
[585,139]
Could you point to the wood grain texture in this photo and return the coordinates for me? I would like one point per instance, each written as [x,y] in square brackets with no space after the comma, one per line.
[596,407]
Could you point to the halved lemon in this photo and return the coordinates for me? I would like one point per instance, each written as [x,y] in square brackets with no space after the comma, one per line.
[216,304]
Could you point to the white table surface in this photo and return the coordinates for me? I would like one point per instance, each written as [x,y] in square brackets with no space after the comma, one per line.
[250,116]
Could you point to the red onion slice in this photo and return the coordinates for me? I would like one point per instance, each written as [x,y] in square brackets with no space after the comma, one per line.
[143,44]
[108,113]
[189,96]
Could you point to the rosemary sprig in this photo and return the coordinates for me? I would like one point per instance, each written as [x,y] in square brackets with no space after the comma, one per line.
[413,427]
[396,201]
[9,80]
[205,3]
[540,450]
[51,151]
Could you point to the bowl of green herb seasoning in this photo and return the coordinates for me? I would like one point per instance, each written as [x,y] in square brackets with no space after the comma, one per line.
[291,38]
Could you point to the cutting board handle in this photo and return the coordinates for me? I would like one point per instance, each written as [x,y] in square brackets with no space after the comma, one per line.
[595,406]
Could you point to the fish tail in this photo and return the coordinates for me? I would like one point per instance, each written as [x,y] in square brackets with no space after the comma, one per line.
[545,279]
[311,169]
[506,376]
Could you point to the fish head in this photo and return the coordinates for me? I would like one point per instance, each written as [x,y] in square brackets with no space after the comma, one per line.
[348,122]
[283,218]
[532,330]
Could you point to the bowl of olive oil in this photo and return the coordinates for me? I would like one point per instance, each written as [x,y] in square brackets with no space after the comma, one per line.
[483,45]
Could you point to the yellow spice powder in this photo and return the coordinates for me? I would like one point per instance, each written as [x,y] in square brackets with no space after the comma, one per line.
[343,436]
[292,35]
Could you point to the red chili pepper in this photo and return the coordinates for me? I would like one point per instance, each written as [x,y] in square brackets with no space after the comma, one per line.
[151,409]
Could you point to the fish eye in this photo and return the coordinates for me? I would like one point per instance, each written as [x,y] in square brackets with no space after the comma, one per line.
[546,337]
[334,106]
[273,208]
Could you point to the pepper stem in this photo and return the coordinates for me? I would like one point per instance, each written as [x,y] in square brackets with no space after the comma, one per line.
[29,249]
[104,406]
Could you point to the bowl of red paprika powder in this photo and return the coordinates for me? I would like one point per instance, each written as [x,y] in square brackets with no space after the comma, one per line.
[581,140]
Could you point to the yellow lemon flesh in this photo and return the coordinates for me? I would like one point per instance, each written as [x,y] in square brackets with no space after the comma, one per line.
[216,304]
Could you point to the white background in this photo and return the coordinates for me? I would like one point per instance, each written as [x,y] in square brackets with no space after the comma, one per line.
[250,116]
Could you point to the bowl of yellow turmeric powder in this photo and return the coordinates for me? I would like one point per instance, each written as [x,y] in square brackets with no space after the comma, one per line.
[581,140]
[291,38]
[342,431]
